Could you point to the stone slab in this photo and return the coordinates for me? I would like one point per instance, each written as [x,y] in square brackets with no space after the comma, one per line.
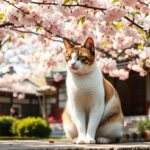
[67,145]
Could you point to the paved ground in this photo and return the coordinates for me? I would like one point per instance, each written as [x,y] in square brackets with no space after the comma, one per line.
[67,145]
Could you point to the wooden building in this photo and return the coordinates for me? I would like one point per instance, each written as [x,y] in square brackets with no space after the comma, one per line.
[48,97]
[35,103]
[133,92]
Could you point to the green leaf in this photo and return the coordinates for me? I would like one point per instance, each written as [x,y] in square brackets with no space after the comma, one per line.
[2,17]
[115,1]
[148,36]
[38,28]
[67,1]
[9,39]
[105,44]
[118,25]
[81,20]
[140,31]
[22,36]
[140,46]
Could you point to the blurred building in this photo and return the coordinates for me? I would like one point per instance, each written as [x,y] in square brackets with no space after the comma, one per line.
[134,93]
[47,97]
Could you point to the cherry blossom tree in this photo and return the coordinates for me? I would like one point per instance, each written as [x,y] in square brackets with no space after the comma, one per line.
[120,29]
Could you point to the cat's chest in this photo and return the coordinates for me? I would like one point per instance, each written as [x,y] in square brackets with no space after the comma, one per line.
[84,86]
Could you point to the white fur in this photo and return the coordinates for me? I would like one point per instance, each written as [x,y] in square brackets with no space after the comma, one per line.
[85,93]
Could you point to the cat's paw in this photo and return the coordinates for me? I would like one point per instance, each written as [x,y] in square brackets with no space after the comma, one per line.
[79,140]
[102,140]
[90,140]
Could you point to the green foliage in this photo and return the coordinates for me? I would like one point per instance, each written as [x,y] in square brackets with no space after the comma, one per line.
[67,1]
[116,1]
[144,125]
[118,25]
[81,20]
[5,125]
[70,1]
[2,17]
[31,127]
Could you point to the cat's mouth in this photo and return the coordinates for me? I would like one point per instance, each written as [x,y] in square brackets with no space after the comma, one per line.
[73,67]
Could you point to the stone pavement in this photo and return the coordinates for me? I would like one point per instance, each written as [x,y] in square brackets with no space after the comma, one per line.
[67,145]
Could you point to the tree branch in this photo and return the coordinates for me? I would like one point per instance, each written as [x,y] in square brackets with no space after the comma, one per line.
[142,3]
[6,24]
[134,23]
[74,5]
[132,46]
[35,33]
[12,4]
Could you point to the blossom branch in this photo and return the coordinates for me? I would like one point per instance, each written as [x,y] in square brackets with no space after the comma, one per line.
[6,24]
[35,33]
[142,2]
[74,5]
[90,7]
[134,23]
[12,4]
[122,52]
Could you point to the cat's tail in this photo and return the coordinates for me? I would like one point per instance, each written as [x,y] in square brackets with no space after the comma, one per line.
[136,137]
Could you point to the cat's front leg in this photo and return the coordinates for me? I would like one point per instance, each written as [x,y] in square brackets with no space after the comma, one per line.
[94,120]
[79,119]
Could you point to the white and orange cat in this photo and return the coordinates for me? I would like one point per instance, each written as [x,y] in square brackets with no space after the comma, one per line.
[93,111]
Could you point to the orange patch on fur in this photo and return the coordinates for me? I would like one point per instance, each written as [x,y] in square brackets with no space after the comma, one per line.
[109,90]
[86,53]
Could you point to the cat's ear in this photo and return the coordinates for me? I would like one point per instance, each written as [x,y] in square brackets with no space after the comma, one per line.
[67,43]
[89,45]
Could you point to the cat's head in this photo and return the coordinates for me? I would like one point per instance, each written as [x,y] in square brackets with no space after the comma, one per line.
[80,59]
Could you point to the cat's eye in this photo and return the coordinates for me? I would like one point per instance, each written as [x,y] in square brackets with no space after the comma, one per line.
[83,59]
[68,58]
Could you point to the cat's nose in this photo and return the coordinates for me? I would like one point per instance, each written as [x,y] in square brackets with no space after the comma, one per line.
[73,64]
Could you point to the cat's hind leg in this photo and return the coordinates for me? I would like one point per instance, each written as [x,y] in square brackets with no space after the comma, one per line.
[109,133]
[69,126]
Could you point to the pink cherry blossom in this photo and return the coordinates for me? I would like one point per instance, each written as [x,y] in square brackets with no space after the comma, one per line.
[130,3]
[1,1]
[21,96]
[122,74]
[106,65]
[2,34]
[144,53]
[143,8]
[108,30]
[2,59]
[146,23]
[58,77]
[3,82]
[15,94]
[24,8]
[13,17]
[138,68]
[114,14]
[54,22]
[131,52]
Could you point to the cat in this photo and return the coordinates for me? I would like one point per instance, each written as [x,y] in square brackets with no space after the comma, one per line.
[93,111]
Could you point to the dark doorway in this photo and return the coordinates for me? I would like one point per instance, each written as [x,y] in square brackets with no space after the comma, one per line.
[132,93]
